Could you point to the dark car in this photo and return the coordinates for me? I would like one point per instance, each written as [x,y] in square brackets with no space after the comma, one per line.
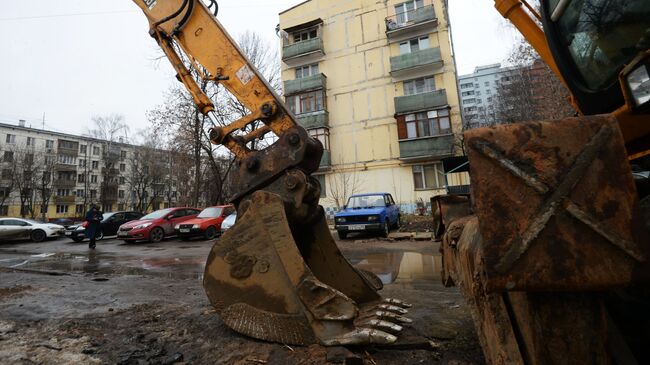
[375,212]
[66,222]
[109,225]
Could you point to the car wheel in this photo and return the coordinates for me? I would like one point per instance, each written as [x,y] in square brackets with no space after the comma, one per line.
[77,239]
[38,235]
[100,235]
[211,233]
[156,235]
[386,230]
[343,235]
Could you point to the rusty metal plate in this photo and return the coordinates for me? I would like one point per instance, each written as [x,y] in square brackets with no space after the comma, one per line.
[556,204]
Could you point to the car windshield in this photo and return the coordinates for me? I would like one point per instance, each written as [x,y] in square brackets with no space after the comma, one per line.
[212,212]
[230,220]
[366,201]
[107,215]
[603,35]
[157,214]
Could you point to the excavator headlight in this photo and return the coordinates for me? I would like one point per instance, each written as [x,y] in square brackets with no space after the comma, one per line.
[638,81]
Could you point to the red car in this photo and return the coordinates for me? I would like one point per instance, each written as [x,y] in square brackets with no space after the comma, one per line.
[207,224]
[155,226]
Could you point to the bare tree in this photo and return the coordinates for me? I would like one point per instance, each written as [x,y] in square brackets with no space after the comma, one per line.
[8,166]
[25,178]
[343,184]
[44,181]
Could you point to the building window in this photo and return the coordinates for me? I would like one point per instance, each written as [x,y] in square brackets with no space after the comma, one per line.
[405,11]
[93,179]
[428,176]
[80,193]
[487,83]
[120,194]
[9,156]
[419,86]
[82,162]
[469,101]
[122,180]
[93,194]
[4,210]
[67,160]
[305,35]
[83,149]
[414,45]
[306,71]
[60,209]
[79,209]
[11,138]
[307,102]
[63,192]
[428,124]
[7,174]
[467,93]
[321,134]
[4,192]
[49,144]
[120,206]
[95,165]
[30,141]
[95,150]
[323,187]
[122,167]
[467,86]
[470,109]
[107,208]
[81,178]
[123,155]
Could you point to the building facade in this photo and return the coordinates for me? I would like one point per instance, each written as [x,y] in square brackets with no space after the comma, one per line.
[479,92]
[46,174]
[375,81]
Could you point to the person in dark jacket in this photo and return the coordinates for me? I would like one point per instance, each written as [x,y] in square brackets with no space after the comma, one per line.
[93,217]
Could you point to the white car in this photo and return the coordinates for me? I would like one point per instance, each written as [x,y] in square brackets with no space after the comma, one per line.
[19,228]
[228,222]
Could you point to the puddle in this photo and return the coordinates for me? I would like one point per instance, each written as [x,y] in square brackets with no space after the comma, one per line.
[400,267]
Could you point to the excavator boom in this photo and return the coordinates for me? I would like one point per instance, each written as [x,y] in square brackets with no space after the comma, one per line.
[277,274]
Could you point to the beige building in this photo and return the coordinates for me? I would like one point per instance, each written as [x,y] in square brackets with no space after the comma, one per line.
[72,172]
[375,81]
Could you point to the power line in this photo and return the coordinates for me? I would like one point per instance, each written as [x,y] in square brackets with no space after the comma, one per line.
[68,15]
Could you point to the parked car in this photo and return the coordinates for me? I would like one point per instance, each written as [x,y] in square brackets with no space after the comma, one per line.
[19,228]
[375,212]
[155,226]
[207,224]
[109,225]
[228,222]
[65,222]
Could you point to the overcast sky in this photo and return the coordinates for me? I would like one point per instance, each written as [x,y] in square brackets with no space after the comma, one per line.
[68,60]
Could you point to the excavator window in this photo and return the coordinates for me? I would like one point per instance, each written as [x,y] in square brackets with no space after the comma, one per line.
[603,35]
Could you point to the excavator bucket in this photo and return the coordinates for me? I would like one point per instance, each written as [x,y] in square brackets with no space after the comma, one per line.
[292,285]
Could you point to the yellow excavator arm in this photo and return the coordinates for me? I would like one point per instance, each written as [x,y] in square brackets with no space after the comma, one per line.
[277,274]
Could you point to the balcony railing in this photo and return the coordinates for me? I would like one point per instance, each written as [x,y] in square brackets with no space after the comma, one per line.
[64,183]
[308,83]
[65,167]
[319,119]
[418,102]
[314,45]
[408,19]
[423,57]
[326,160]
[427,147]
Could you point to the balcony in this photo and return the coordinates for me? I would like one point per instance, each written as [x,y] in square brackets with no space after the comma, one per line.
[415,64]
[319,119]
[412,23]
[419,102]
[303,52]
[65,167]
[305,84]
[70,199]
[64,183]
[425,148]
[326,160]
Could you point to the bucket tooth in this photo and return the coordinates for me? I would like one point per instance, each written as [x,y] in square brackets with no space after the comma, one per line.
[290,284]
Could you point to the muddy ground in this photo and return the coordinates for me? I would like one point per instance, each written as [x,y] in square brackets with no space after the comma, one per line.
[143,304]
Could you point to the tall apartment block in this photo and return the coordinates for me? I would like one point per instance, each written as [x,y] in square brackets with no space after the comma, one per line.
[479,92]
[77,174]
[375,81]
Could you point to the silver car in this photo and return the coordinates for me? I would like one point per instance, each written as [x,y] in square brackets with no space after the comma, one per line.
[20,228]
[228,222]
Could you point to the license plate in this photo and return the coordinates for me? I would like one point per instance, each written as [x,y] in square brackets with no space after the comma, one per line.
[357,227]
[68,233]
[185,230]
[121,234]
